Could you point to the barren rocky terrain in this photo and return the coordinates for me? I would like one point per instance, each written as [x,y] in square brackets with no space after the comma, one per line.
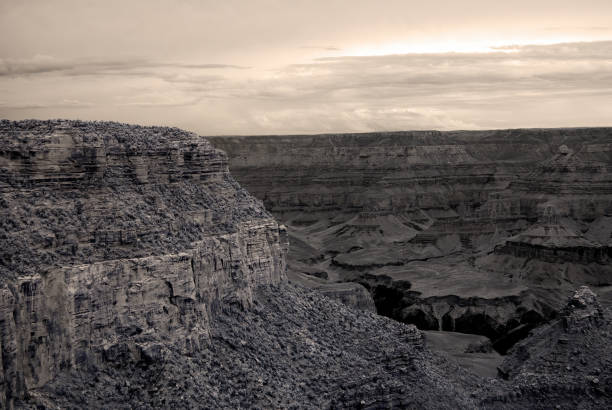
[135,272]
[483,232]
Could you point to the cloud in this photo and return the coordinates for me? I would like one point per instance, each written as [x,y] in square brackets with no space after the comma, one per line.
[41,64]
[142,103]
[356,119]
[435,90]
[65,103]
[594,50]
[515,85]
[578,28]
[324,48]
[538,69]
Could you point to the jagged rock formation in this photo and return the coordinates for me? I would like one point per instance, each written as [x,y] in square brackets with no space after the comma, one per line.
[459,216]
[567,363]
[117,240]
[350,293]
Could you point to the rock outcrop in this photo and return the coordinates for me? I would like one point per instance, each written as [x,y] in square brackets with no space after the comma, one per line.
[567,363]
[350,293]
[291,349]
[117,240]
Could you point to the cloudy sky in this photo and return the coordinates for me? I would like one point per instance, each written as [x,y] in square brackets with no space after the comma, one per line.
[293,66]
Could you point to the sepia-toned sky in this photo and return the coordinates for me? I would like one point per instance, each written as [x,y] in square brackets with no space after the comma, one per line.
[293,66]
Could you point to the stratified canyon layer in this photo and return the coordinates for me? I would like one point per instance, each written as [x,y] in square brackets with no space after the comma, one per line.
[136,273]
[119,238]
[482,232]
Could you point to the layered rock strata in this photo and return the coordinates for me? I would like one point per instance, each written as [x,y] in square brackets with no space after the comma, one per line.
[291,349]
[119,238]
[426,208]
[157,281]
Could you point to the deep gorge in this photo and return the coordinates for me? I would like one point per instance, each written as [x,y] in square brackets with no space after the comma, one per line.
[136,272]
[443,212]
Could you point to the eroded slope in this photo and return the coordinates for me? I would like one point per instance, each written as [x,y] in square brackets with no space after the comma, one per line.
[434,223]
[291,349]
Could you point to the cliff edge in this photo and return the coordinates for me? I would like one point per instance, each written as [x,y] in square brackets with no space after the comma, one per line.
[135,273]
[118,240]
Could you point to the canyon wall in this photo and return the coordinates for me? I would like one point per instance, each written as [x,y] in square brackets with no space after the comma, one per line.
[117,240]
[136,273]
[491,229]
[460,179]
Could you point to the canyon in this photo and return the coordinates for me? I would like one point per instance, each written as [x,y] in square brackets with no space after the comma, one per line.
[136,272]
[483,232]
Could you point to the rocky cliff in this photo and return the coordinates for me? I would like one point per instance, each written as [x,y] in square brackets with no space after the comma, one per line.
[567,361]
[136,273]
[453,224]
[119,239]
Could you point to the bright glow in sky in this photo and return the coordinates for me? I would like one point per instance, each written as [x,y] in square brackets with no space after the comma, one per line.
[273,66]
[452,46]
